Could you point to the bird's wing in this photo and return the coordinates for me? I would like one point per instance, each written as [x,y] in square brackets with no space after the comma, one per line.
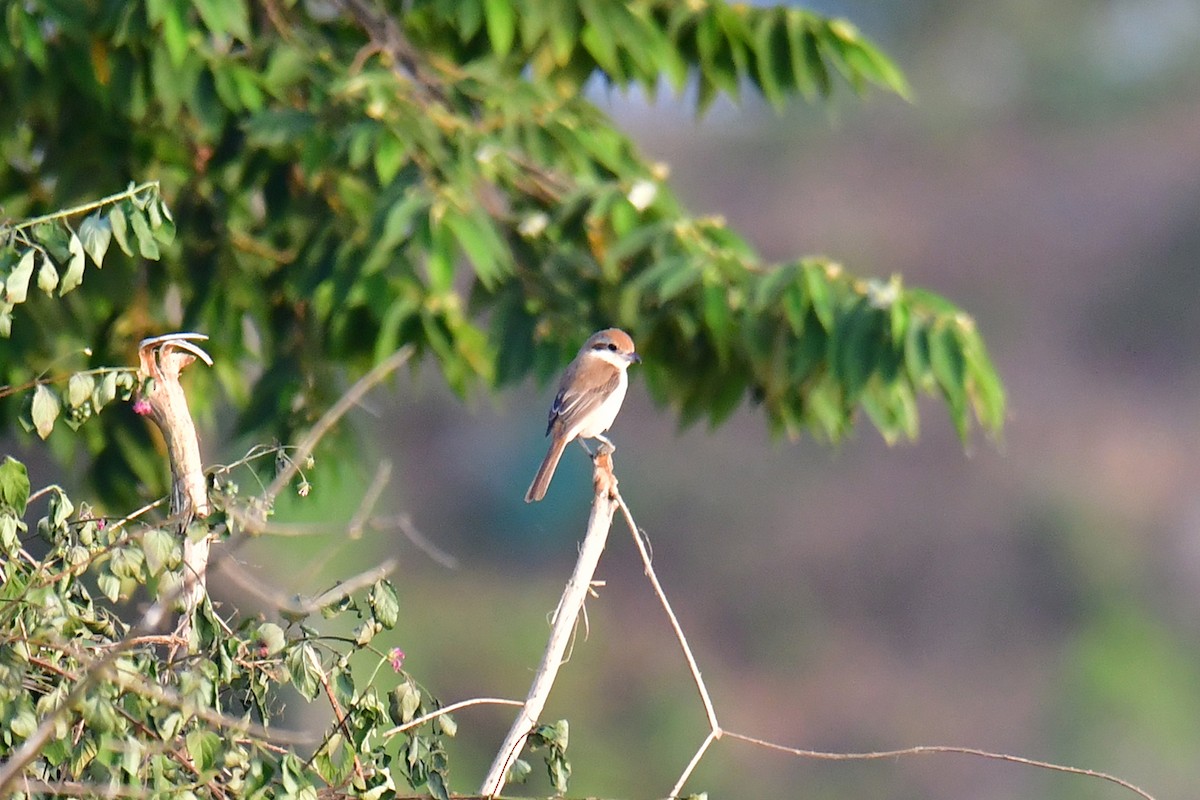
[571,406]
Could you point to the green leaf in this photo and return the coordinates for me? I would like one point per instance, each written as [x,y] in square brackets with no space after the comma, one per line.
[597,37]
[469,16]
[47,277]
[390,155]
[446,725]
[14,485]
[60,508]
[16,287]
[384,604]
[949,367]
[105,392]
[95,232]
[119,225]
[44,410]
[718,318]
[519,771]
[204,748]
[986,390]
[23,722]
[79,389]
[74,274]
[9,532]
[916,355]
[174,28]
[857,342]
[560,774]
[876,67]
[110,585]
[147,245]
[501,24]
[280,127]
[820,293]
[436,785]
[161,223]
[272,638]
[304,666]
[768,49]
[680,275]
[225,17]
[161,549]
[478,239]
[808,70]
[404,701]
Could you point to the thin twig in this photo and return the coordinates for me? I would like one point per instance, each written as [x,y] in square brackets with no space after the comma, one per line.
[70,212]
[344,403]
[713,735]
[934,749]
[33,787]
[709,710]
[475,701]
[383,474]
[298,606]
[340,716]
[403,522]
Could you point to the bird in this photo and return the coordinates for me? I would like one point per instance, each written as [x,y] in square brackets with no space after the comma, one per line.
[589,396]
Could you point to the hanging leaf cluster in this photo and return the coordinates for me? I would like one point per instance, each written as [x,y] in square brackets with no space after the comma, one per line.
[50,254]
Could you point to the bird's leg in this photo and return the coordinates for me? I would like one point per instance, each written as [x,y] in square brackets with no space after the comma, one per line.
[606,447]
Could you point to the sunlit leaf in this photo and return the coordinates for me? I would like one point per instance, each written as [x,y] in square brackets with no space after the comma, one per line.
[501,24]
[384,604]
[117,222]
[95,232]
[44,410]
[14,485]
[47,276]
[147,245]
[79,389]
[16,287]
[204,748]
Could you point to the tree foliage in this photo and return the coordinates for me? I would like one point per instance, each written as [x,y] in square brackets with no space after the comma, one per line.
[91,703]
[348,176]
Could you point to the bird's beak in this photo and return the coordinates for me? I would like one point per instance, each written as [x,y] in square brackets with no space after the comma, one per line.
[634,358]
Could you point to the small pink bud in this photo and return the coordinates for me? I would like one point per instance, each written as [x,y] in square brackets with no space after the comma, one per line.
[141,407]
[396,658]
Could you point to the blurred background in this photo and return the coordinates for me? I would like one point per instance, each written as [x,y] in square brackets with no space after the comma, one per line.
[1037,596]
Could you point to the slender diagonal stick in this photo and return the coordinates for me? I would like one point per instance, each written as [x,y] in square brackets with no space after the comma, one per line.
[715,732]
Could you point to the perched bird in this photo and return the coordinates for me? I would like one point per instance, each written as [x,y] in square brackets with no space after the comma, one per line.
[589,396]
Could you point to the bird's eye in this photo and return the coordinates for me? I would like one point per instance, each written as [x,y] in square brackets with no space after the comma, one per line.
[612,347]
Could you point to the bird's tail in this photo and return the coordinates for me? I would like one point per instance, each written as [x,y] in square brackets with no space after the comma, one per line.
[541,481]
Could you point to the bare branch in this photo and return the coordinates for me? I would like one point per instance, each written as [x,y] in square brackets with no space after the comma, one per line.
[404,523]
[253,522]
[574,594]
[163,358]
[936,749]
[709,710]
[303,606]
[421,720]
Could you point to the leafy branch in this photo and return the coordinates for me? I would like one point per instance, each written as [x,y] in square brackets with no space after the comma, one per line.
[137,216]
